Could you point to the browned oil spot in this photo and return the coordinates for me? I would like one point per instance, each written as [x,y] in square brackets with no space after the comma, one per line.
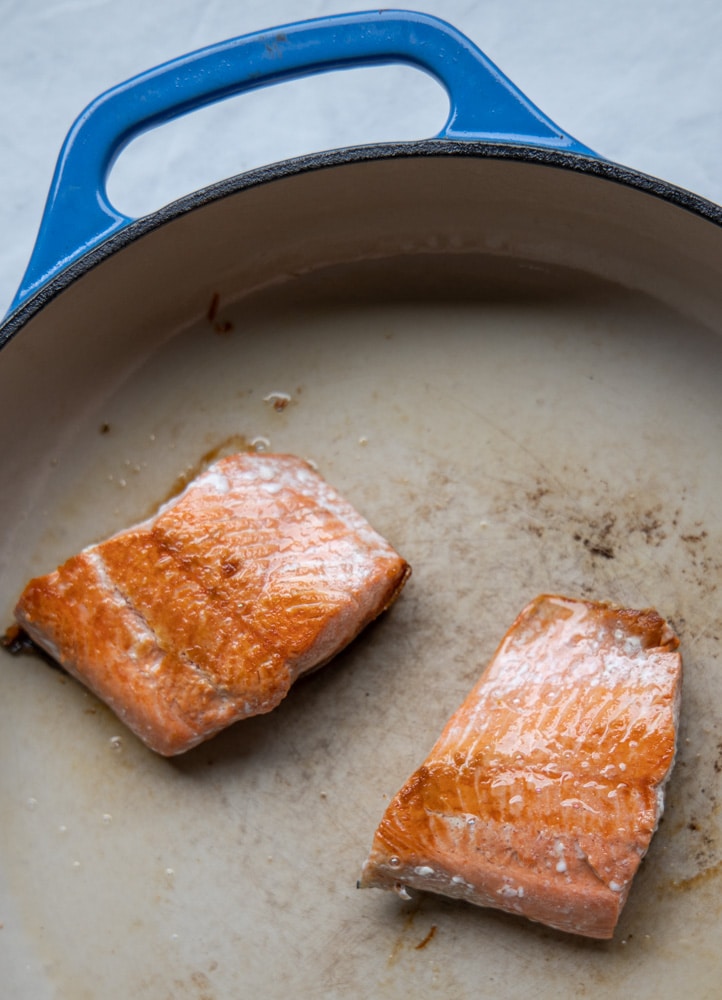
[613,526]
[597,541]
[694,539]
[605,551]
[213,307]
[650,527]
[198,986]
[534,496]
[429,936]
[104,429]
[396,950]
[278,400]
[219,325]
[401,939]
[201,982]
[229,446]
[701,877]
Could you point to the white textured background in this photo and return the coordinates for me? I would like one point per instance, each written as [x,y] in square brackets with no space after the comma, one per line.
[640,81]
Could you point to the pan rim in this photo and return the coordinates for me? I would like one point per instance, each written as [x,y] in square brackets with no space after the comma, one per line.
[592,166]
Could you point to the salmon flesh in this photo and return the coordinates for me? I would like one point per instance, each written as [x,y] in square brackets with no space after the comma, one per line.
[208,612]
[543,792]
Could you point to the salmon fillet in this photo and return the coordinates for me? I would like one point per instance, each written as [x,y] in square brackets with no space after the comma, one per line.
[544,790]
[208,612]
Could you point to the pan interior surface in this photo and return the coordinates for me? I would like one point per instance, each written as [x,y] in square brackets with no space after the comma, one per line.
[521,401]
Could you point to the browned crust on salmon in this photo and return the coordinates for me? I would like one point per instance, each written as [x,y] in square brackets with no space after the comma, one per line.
[207,613]
[544,790]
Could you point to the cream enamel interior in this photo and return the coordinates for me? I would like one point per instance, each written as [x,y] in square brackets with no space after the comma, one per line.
[513,372]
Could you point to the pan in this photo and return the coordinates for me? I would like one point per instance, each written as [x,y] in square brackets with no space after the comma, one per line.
[506,352]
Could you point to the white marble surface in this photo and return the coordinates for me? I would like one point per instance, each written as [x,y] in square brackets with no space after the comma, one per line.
[640,82]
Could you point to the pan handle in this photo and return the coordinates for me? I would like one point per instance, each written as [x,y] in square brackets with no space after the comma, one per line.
[484,104]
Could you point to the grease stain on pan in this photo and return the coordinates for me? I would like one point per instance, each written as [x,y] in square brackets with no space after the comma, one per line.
[402,941]
[228,446]
[603,525]
[425,941]
[702,877]
[278,400]
[219,324]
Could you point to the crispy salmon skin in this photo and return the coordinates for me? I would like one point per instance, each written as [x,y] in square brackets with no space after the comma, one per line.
[208,612]
[544,790]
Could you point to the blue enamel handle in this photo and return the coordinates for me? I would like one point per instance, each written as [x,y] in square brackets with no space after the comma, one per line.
[484,105]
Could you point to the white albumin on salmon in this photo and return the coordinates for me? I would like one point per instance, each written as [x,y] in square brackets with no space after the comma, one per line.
[208,612]
[543,792]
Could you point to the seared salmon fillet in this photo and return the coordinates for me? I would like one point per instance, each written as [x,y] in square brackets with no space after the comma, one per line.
[208,612]
[543,792]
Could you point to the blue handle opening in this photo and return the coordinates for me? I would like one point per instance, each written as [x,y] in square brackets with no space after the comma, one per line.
[484,104]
